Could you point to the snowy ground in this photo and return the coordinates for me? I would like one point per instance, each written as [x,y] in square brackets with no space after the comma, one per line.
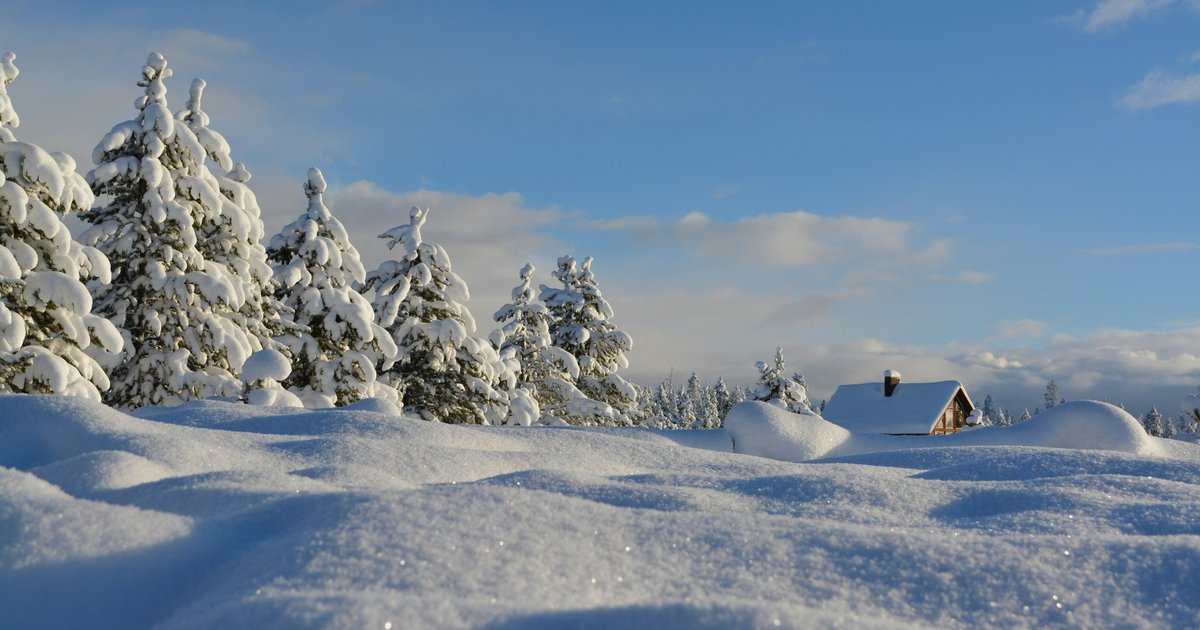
[224,515]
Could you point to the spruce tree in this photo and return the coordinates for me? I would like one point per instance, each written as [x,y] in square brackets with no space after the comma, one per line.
[1153,422]
[1052,396]
[547,371]
[46,324]
[444,371]
[580,325]
[164,296]
[338,345]
[991,415]
[724,399]
[231,240]
[774,386]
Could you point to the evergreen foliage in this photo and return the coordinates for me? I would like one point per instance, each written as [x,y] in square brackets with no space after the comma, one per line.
[1052,396]
[337,345]
[46,324]
[580,325]
[547,371]
[231,240]
[172,305]
[443,370]
[775,387]
[1153,422]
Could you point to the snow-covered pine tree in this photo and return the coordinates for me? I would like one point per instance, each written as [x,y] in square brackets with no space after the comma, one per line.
[152,190]
[46,324]
[231,240]
[547,371]
[1025,417]
[335,356]
[1052,396]
[991,414]
[444,371]
[1153,422]
[723,398]
[775,387]
[580,324]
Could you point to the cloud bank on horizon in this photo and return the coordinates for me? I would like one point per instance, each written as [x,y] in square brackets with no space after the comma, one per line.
[963,208]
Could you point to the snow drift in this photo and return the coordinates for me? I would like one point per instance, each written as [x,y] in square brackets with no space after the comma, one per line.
[226,515]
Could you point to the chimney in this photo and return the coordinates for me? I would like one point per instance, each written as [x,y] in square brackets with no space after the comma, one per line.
[891,378]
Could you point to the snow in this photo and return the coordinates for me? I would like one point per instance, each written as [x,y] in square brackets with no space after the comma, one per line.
[215,514]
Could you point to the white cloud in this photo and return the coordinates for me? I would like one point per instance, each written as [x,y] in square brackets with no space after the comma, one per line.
[1154,248]
[1022,328]
[973,277]
[726,190]
[1159,88]
[1109,14]
[802,239]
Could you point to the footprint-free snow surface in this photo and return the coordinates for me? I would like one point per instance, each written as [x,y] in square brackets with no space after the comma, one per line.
[223,515]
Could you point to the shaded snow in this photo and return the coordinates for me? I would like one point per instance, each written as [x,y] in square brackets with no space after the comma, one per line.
[216,514]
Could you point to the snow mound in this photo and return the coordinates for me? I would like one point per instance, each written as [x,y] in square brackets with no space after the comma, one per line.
[757,428]
[102,470]
[760,429]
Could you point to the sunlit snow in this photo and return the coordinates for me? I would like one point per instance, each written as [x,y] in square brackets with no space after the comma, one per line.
[217,514]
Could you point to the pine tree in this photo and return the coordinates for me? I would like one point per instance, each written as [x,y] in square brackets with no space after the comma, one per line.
[335,357]
[46,324]
[231,240]
[774,386]
[991,415]
[1025,417]
[1153,422]
[724,400]
[165,298]
[443,370]
[1051,396]
[580,325]
[547,371]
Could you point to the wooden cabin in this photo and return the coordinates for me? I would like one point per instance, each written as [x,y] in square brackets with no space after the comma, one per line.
[896,408]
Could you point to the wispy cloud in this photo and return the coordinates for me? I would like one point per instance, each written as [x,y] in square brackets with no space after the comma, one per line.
[1022,328]
[973,277]
[1110,14]
[1154,248]
[800,239]
[726,190]
[1159,88]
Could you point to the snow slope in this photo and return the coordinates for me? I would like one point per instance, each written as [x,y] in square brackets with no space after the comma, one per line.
[223,515]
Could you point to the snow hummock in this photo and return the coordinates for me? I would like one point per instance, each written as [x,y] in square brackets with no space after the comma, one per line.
[218,514]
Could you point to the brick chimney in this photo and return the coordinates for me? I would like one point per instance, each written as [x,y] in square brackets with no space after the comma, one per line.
[891,378]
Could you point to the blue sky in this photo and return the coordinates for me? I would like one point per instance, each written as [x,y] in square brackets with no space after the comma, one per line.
[1001,193]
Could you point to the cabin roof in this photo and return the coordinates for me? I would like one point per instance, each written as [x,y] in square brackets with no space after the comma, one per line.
[913,408]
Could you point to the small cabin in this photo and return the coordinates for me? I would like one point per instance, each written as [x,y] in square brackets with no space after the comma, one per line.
[896,408]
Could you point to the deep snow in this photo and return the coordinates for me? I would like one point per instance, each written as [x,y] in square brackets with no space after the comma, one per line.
[225,515]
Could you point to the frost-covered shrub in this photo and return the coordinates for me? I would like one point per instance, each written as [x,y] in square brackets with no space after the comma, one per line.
[580,325]
[444,371]
[47,329]
[337,346]
[172,306]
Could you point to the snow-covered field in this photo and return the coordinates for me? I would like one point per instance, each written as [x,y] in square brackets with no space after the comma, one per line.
[225,515]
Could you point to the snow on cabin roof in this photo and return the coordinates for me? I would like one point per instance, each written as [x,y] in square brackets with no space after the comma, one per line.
[913,408]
